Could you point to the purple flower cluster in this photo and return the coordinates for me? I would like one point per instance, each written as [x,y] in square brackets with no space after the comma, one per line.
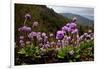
[32,35]
[70,28]
[35,24]
[86,36]
[24,29]
[28,16]
[60,35]
[21,41]
[68,35]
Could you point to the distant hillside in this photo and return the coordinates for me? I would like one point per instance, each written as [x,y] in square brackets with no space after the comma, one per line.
[81,20]
[89,17]
[49,20]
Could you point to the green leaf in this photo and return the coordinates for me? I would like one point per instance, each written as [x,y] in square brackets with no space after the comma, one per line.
[77,56]
[22,51]
[59,56]
[69,48]
[77,50]
[62,53]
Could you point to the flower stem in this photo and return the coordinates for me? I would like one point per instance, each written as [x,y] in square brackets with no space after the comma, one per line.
[25,21]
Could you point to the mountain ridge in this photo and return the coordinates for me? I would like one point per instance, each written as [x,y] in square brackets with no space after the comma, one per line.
[81,19]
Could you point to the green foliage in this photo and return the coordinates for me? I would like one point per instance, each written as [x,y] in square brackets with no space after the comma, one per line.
[62,53]
[30,50]
[71,53]
[84,52]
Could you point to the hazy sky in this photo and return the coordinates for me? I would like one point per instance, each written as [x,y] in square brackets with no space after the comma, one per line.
[75,10]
